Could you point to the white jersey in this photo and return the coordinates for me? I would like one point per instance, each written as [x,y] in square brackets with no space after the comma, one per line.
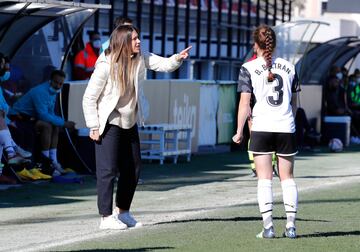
[272,111]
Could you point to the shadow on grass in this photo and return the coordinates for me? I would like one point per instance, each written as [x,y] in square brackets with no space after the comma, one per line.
[47,193]
[234,219]
[330,234]
[202,169]
[124,250]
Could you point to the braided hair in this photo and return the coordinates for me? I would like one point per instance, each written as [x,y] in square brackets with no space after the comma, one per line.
[265,37]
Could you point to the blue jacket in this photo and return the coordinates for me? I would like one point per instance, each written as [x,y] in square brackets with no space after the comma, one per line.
[105,46]
[38,102]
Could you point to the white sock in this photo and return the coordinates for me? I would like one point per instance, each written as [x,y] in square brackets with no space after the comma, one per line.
[6,141]
[290,198]
[46,153]
[265,200]
[53,155]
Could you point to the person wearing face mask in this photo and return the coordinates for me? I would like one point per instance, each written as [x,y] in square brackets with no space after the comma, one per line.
[37,106]
[336,102]
[84,62]
[336,94]
[339,76]
[14,154]
[14,83]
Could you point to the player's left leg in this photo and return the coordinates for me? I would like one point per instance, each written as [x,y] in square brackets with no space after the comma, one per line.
[290,193]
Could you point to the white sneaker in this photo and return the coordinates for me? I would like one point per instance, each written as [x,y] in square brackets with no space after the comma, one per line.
[58,167]
[129,220]
[23,153]
[357,140]
[353,140]
[56,173]
[112,222]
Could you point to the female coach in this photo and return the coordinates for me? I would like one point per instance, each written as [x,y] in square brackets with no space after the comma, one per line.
[110,105]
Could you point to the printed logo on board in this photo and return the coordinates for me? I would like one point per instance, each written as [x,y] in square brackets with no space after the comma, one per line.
[185,114]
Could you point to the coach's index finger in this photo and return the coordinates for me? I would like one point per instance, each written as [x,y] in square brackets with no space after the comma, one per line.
[186,50]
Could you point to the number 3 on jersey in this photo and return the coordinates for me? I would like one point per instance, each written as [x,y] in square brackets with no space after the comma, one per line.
[277,98]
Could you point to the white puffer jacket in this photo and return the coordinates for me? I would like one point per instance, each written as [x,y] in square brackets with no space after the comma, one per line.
[102,94]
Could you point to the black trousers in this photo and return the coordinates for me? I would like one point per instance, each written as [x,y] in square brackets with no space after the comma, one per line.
[49,135]
[117,153]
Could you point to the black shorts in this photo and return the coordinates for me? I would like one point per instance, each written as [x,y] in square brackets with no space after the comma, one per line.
[283,144]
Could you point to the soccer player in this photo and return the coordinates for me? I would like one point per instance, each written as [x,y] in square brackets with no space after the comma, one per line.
[250,154]
[273,82]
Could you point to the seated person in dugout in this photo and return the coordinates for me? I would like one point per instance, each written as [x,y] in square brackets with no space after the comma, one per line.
[337,101]
[37,108]
[13,153]
[335,95]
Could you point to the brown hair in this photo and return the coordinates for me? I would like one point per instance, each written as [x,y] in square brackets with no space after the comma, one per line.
[265,37]
[123,61]
[122,21]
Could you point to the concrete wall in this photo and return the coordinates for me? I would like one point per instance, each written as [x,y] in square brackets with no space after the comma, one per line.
[310,99]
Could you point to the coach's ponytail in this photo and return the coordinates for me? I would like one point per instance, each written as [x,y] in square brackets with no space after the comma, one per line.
[265,37]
